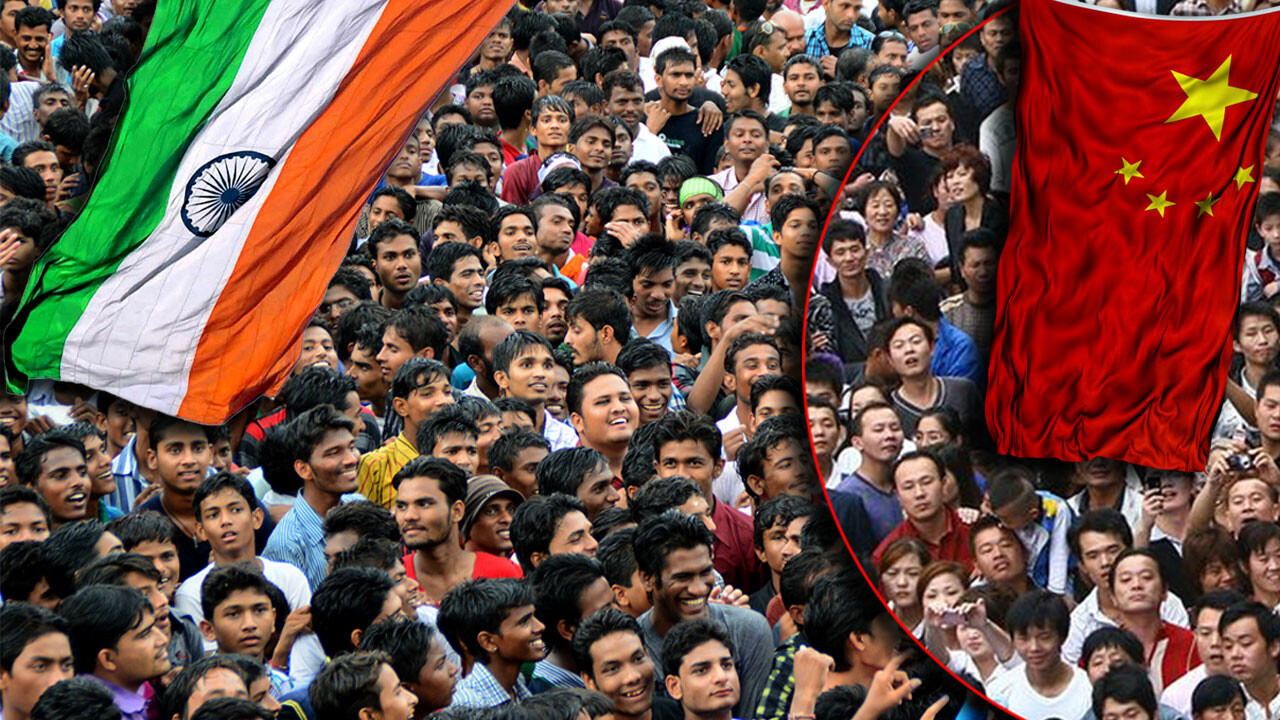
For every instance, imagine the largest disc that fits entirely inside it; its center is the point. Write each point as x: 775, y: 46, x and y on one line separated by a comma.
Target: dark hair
x: 415, y: 373
x: 387, y: 230
x: 563, y: 471
x: 659, y: 536
x: 513, y: 96
x: 840, y: 604
x: 78, y: 698
x: 1216, y: 691
x: 1268, y: 622
x: 67, y: 127
x: 1039, y: 609
x: 313, y: 387
x: 574, y: 395
x: 515, y: 345
x: 308, y: 430
x: 173, y: 700
x: 408, y: 208
x: 606, y: 201
x: 754, y: 71
x: 29, y: 463
x: 421, y: 327
x: 687, y: 425
x: 662, y: 494
x: 405, y: 641
x: 534, y: 524
x: 769, y: 434
x: 97, y: 617
x: 1104, y: 521
x: 1128, y: 683
x: 510, y: 287
x: 781, y: 510
x: 346, y: 685
x: 114, y: 568
x: 504, y: 449
x: 674, y: 56
x: 449, y: 419
x: 558, y: 583
x: 1109, y: 636
x: 143, y: 526
x: 477, y: 606
x: 374, y: 552
x: 743, y: 342
x: 84, y: 49
x: 218, y: 482
x: 798, y: 575
x: 600, y: 625
x: 223, y: 580
x: 67, y: 550
x: 366, y: 519
x: 452, y: 479
x: 231, y: 708
x: 23, y: 568
x: 686, y: 636
x: 347, y: 600
x: 600, y: 307
x: 642, y: 354
x: 516, y: 405
x: 20, y: 495
x: 784, y: 383
x: 24, y: 183
x: 616, y: 555
x: 20, y: 625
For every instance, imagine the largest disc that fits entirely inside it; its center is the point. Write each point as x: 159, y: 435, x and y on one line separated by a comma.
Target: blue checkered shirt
x: 298, y: 539
x: 481, y: 689
x: 980, y: 86
x: 816, y: 45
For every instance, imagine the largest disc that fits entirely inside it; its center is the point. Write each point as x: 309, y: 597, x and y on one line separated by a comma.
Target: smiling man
x: 653, y: 280
x: 494, y: 621
x: 673, y: 554
x: 117, y: 642
x: 523, y: 369
x: 648, y: 369
x: 56, y: 468
x: 611, y: 657
x: 512, y: 234
x: 603, y: 411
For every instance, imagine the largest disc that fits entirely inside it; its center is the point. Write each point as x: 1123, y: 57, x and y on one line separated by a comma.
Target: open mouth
x: 77, y: 498
x: 693, y: 606
x: 229, y: 537
x: 619, y: 421
x: 636, y: 694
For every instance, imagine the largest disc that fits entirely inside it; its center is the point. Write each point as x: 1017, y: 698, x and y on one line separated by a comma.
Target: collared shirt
x: 661, y: 334
x: 1177, y: 695
x: 481, y: 689
x: 1201, y: 8
x: 560, y: 434
x: 953, y: 545
x: 756, y: 212
x: 128, y: 476
x: 981, y: 87
x: 1254, y: 710
x: 956, y: 355
x: 1172, y: 655
x: 1046, y: 542
x: 299, y: 539
x: 20, y: 121
x: 547, y: 675
x: 378, y: 467
x: 281, y: 683
x: 816, y: 43
x: 775, y: 699
x: 133, y: 705
x: 1088, y: 616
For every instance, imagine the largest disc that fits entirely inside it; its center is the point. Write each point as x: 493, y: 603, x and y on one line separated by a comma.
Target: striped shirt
x: 547, y: 675
x: 765, y: 254
x: 378, y: 467
x: 816, y: 43
x: 299, y: 540
x: 481, y: 689
x: 128, y: 476
x: 20, y: 120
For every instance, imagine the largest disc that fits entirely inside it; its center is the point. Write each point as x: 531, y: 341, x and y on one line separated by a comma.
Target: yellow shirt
x: 378, y: 467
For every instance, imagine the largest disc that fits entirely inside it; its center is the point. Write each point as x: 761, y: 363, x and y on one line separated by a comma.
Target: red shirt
x: 487, y: 566
x: 520, y: 179
x: 953, y: 546
x: 511, y: 153
x: 734, y: 549
x: 1172, y: 656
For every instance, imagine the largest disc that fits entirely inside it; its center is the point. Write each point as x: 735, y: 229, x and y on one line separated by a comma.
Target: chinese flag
x: 1140, y: 146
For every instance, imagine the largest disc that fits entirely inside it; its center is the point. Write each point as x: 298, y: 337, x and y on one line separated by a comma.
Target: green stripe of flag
x: 193, y: 53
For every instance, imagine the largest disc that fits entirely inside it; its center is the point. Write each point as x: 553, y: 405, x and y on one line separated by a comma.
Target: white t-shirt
x: 1013, y: 691
x: 290, y: 580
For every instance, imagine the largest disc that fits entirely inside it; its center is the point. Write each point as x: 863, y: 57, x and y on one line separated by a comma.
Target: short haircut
x: 687, y: 636
x: 478, y: 606
x: 687, y: 425
x: 728, y: 237
x: 452, y: 479
x: 839, y: 604
x: 450, y: 419
x: 406, y: 642
x: 787, y: 384
x: 346, y: 685
x: 29, y: 463
x: 642, y: 354
x: 534, y: 524
x: 558, y: 583
x: 575, y: 394
x: 309, y: 429
x: 1104, y: 521
x: 659, y: 536
x: 674, y: 56
x: 173, y: 701
x: 346, y: 600
x: 513, y: 96
x: 781, y: 510
x: 21, y: 494
x: 223, y: 580
x: 20, y: 625
x: 316, y: 386
x: 509, y: 288
x: 606, y: 201
x: 599, y: 307
x: 1216, y: 691
x: 421, y: 327
x: 1039, y: 609
x: 78, y: 698
x: 97, y: 617
x: 507, y: 446
x: 388, y: 230
x: 754, y: 71
x: 374, y: 552
x: 366, y: 519
x: 516, y: 345
x: 1110, y: 636
x: 662, y: 494
x: 742, y: 342
x: 143, y: 526
x: 600, y: 625
x: 114, y: 568
x: 223, y: 481
x: 1128, y: 683
x: 67, y: 550
x: 798, y: 575
x: 770, y: 434
x: 563, y: 471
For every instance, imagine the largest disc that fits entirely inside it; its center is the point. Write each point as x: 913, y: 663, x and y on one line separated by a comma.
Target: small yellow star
x: 1206, y: 205
x: 1159, y: 202
x: 1129, y: 170
x: 1244, y: 175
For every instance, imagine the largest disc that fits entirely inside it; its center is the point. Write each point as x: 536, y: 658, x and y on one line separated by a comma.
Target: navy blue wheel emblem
x: 220, y: 187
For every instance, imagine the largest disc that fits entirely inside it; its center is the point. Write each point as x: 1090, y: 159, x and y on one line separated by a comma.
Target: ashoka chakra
x: 220, y: 187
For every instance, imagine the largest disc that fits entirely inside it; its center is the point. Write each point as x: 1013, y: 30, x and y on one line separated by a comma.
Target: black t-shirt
x: 699, y: 96
x: 914, y: 168
x: 664, y: 708
x: 683, y: 134
x: 193, y: 556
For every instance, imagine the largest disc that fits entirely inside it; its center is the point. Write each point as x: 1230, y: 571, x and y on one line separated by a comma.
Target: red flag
x: 1140, y: 146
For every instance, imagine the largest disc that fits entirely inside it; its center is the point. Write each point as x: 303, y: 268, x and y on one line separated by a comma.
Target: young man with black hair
x: 394, y: 249
x: 610, y: 653
x: 687, y: 444
x: 918, y: 295
x: 460, y: 268
x: 567, y: 589
x: 731, y: 259
x: 1204, y: 625
x: 153, y: 535
x: 1250, y: 634
x: 555, y: 232
x: 24, y: 515
x: 227, y: 516
x: 603, y: 411
x: 494, y: 621
x: 522, y: 368
x: 746, y: 142
x: 918, y: 477
x: 647, y: 366
x: 451, y: 435
x: 778, y: 523
x: 416, y: 651
x: 616, y: 555
x: 550, y: 118
x: 673, y: 553
x: 599, y: 325
x: 1138, y: 585
x: 703, y: 677
x: 581, y: 472
x: 346, y: 289
x: 116, y: 642
x: 56, y: 468
x: 360, y: 685
x: 624, y: 97
x: 429, y: 505
x: 678, y: 124
x: 514, y: 458
x: 476, y: 343
x: 325, y: 457
x: 36, y: 655
x: 238, y: 616
x: 76, y: 699
x: 547, y: 525
x: 199, y: 683
x: 516, y: 299
x: 1046, y: 685
x: 653, y: 266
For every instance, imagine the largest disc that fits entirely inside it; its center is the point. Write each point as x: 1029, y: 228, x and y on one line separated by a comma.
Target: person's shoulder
x: 285, y: 572
x: 492, y: 566
x: 960, y: 385
x: 741, y: 618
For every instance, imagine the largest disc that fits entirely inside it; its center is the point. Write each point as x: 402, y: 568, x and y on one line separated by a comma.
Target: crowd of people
x: 542, y: 452
x: 1064, y: 590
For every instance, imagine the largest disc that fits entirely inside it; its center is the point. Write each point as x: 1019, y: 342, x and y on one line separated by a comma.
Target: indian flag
x: 254, y: 132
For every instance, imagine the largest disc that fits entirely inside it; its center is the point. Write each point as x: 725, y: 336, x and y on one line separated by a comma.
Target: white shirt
x: 1014, y: 691
x: 290, y: 580
x: 647, y: 146
x: 560, y: 434
x: 1253, y: 709
x: 727, y: 179
x: 1178, y: 694
x: 778, y: 100
x: 728, y: 485
x: 997, y: 137
x: 1087, y: 617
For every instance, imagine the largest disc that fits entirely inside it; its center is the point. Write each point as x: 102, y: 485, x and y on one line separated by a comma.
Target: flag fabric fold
x: 1140, y: 146
x: 235, y: 179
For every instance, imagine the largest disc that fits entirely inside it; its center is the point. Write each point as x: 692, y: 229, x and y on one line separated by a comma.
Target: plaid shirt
x: 1201, y: 8
x: 775, y: 701
x: 816, y: 42
x: 378, y: 467
x: 981, y: 87
x: 481, y: 689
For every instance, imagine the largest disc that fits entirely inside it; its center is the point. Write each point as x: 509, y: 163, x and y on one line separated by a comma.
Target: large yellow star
x: 1159, y: 202
x: 1209, y: 98
x: 1206, y: 205
x: 1244, y: 175
x: 1129, y: 170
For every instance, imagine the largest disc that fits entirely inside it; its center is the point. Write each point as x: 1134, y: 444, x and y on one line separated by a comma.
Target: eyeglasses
x: 890, y: 34
x: 952, y: 26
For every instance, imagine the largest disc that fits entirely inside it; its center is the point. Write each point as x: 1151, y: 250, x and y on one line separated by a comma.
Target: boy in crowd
x: 493, y: 620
